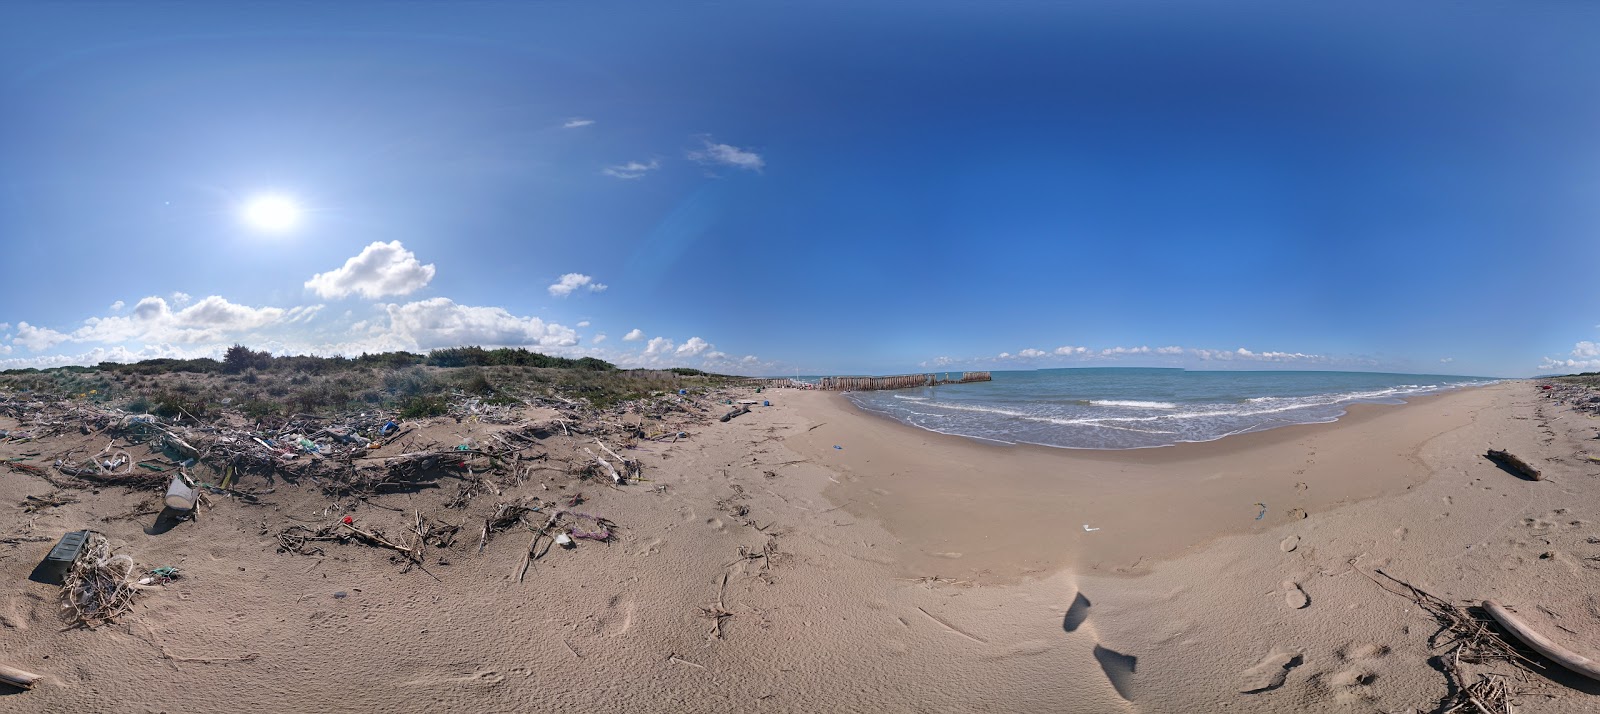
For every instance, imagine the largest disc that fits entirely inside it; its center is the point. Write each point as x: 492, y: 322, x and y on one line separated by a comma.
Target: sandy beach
x: 759, y: 568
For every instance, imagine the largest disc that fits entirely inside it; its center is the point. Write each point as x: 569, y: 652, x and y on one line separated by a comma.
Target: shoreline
x: 1403, y: 401
x: 1044, y: 497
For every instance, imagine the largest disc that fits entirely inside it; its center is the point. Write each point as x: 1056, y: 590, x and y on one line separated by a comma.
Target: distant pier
x: 901, y: 381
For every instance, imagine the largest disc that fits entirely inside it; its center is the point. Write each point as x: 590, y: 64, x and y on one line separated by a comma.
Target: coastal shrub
x: 420, y: 407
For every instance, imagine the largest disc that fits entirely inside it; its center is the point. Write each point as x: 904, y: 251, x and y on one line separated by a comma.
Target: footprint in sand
x: 1270, y: 672
x: 1119, y: 669
x: 1077, y: 612
x: 1294, y: 597
x: 1289, y: 544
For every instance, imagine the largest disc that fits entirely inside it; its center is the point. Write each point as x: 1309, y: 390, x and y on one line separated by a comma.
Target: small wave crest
x: 1134, y: 403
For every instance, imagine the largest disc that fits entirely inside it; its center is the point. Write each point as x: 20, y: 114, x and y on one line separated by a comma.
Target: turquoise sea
x: 1122, y: 408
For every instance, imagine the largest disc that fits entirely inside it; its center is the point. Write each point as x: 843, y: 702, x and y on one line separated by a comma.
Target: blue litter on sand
x: 836, y: 446
x: 1263, y: 510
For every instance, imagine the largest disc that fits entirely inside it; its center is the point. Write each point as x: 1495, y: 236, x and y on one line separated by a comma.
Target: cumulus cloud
x: 631, y: 170
x: 633, y: 335
x: 693, y: 347
x: 440, y: 322
x: 658, y: 345
x: 181, y: 298
x: 728, y: 155
x: 1030, y: 353
x: 1109, y: 351
x: 1066, y: 350
x: 583, y: 323
x: 382, y: 269
x: 1250, y: 355
x: 154, y: 321
x: 37, y: 338
x: 576, y: 122
x: 1169, y: 350
x: 572, y: 281
x: 1446, y: 360
x: 118, y: 305
x: 598, y: 338
x: 1585, y: 356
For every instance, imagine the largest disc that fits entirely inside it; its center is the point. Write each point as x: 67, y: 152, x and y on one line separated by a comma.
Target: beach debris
x: 1541, y: 644
x: 565, y: 541
x: 615, y: 477
x: 1263, y: 508
x: 741, y: 410
x: 18, y: 678
x: 160, y: 576
x: 1511, y: 461
x: 99, y: 585
x: 1087, y: 529
x: 1470, y: 638
x: 53, y: 569
x: 838, y: 447
x: 180, y: 494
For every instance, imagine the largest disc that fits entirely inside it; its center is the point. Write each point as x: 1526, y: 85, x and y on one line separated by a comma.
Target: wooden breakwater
x: 901, y: 381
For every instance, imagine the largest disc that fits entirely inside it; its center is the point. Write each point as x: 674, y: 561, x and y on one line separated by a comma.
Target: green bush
x: 419, y: 407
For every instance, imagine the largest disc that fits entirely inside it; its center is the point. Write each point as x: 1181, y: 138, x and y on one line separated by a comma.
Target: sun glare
x: 272, y: 214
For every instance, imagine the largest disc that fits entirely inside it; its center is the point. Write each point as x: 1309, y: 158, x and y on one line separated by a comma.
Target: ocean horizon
x: 1138, y: 407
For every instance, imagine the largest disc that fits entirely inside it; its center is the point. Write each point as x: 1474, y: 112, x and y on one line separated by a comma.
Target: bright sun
x: 273, y: 214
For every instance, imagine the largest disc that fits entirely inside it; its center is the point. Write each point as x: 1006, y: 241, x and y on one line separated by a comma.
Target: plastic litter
x: 766, y: 403
x: 838, y: 447
x: 180, y: 495
x: 1263, y: 512
x: 1087, y: 529
x: 390, y: 427
x: 564, y: 540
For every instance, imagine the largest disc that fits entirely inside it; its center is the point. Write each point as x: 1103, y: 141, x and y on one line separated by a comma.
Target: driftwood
x: 1541, y: 644
x: 736, y: 412
x: 17, y: 677
x: 1510, y: 460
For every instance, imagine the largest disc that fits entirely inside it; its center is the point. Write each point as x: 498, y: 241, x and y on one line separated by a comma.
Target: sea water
x: 1123, y: 408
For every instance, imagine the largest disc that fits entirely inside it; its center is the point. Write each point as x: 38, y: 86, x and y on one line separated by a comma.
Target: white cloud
x: 209, y: 320
x: 657, y: 345
x: 1169, y: 350
x: 631, y: 170
x: 440, y: 322
x: 5, y: 349
x: 598, y: 338
x: 118, y: 305
x: 37, y: 338
x: 1446, y: 360
x: 576, y: 122
x: 633, y: 335
x: 1003, y: 355
x: 1250, y: 355
x: 4, y: 326
x: 583, y: 323
x: 181, y: 298
x: 1065, y: 350
x: 382, y: 269
x: 1030, y: 353
x: 572, y: 281
x: 1124, y: 351
x: 1585, y: 357
x: 715, y: 355
x: 727, y: 155
x: 693, y: 347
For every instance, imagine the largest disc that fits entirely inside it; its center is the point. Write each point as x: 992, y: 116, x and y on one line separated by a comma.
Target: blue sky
x: 813, y: 187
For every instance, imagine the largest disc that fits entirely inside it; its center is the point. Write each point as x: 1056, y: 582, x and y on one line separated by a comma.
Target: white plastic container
x: 180, y: 495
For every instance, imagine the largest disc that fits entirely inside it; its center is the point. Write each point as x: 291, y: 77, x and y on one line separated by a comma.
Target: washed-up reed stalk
x: 99, y: 585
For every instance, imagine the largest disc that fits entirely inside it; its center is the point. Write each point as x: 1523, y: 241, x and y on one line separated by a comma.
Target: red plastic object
x: 349, y: 521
